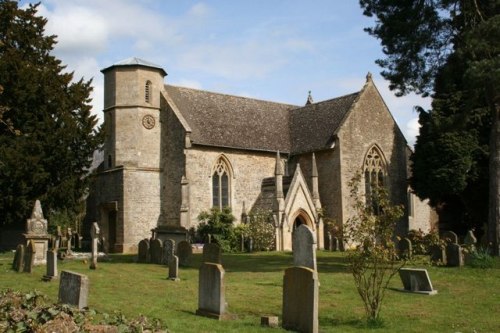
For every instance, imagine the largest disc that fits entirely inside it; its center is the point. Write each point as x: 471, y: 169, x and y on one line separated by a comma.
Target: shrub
x: 261, y: 230
x: 219, y: 224
x: 481, y: 258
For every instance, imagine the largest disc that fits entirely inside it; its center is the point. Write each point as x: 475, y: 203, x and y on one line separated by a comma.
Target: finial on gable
x: 309, y: 98
x: 368, y: 77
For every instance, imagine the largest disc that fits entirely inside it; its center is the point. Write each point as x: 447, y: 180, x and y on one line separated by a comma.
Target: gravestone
x: 51, y: 273
x: 36, y: 232
x: 168, y: 250
x: 454, y: 255
x: 29, y: 257
x: 211, y: 292
x: 336, y: 244
x: 77, y: 240
x: 470, y: 240
x: 438, y: 254
x: 69, y: 237
x: 304, y: 247
x: 450, y: 237
x: 143, y: 252
x: 18, y: 264
x: 416, y: 280
x: 212, y: 253
x: 184, y: 252
x: 405, y: 249
x: 156, y: 248
x: 269, y: 321
x: 300, y: 299
x: 94, y: 234
x: 173, y: 268
x: 73, y: 289
x: 329, y: 241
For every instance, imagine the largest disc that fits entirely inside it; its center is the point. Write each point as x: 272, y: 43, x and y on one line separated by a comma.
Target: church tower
x: 130, y: 205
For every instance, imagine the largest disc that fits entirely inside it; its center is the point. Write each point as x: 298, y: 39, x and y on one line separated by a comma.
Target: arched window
x: 375, y: 173
x: 221, y: 184
x: 147, y: 92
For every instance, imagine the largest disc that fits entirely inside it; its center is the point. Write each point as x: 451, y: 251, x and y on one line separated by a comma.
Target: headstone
x: 168, y: 250
x: 36, y: 232
x: 184, y: 252
x: 416, y: 280
x: 77, y: 240
x: 454, y: 255
x: 18, y: 264
x: 94, y: 234
x: 156, y: 248
x: 73, y: 289
x: 450, y: 237
x: 173, y: 268
x: 470, y: 240
x: 329, y: 241
x: 405, y: 249
x: 51, y: 266
x: 212, y: 253
x: 438, y: 254
x: 300, y: 300
x: 211, y: 292
x: 29, y: 257
x: 143, y: 252
x: 336, y: 244
x: 304, y: 247
x: 69, y: 237
x: 269, y: 321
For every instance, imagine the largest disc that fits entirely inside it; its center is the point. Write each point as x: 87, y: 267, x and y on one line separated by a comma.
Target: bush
x: 261, y: 230
x: 219, y: 224
x: 481, y: 258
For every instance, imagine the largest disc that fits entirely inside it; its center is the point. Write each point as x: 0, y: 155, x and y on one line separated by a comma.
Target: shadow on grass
x: 352, y: 322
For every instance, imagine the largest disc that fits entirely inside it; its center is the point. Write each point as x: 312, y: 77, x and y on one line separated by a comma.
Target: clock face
x: 148, y: 121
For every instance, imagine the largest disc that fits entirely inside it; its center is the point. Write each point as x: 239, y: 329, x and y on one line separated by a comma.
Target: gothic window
x: 221, y: 184
x: 147, y: 92
x: 374, y: 172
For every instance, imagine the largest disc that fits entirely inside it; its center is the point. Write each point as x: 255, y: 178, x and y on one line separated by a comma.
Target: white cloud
x: 412, y: 130
x: 188, y: 83
x: 199, y: 10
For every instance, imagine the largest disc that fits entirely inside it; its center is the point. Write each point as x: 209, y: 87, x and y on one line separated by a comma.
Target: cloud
x: 188, y: 83
x: 412, y: 130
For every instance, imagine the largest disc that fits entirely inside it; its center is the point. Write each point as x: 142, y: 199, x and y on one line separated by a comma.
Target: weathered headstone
x: 94, y: 234
x: 143, y: 252
x: 51, y: 265
x: 69, y: 237
x: 438, y: 254
x: 212, y: 253
x: 269, y: 321
x: 329, y: 241
x: 73, y: 289
x: 184, y: 252
x: 405, y: 249
x: 416, y: 280
x: 454, y: 255
x: 336, y: 244
x: 173, y: 268
x: 300, y: 299
x: 29, y: 257
x: 470, y: 240
x: 211, y: 291
x: 168, y: 250
x: 36, y: 232
x: 450, y: 237
x: 156, y: 248
x: 304, y: 247
x: 18, y: 264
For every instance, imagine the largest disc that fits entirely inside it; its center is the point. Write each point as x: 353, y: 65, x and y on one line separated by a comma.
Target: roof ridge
x: 329, y: 100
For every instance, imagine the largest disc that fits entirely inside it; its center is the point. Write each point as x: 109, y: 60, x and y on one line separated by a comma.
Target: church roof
x: 133, y: 61
x: 238, y: 122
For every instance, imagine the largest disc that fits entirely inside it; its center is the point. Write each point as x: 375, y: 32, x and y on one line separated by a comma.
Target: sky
x: 275, y: 50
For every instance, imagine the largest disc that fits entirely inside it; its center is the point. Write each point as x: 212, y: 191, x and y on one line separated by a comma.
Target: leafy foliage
x: 373, y: 256
x: 48, y: 155
x: 219, y: 225
x: 261, y: 230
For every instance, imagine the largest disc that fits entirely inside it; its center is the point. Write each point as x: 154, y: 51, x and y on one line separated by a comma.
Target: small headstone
x: 416, y: 280
x: 405, y: 249
x: 450, y: 237
x: 173, y: 268
x: 438, y: 254
x: 184, y: 252
x: 269, y: 321
x: 51, y: 266
x: 168, y: 250
x: 73, y: 289
x: 156, y: 248
x: 304, y: 247
x: 144, y: 252
x: 29, y: 257
x: 94, y: 234
x: 212, y: 253
x: 211, y: 291
x: 336, y: 244
x: 77, y: 240
x: 300, y: 299
x: 454, y: 255
x: 18, y: 264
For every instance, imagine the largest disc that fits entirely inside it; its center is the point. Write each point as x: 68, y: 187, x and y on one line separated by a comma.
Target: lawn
x: 468, y: 299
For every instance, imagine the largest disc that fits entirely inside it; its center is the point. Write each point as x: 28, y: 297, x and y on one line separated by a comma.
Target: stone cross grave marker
x: 300, y: 299
x: 51, y: 273
x: 304, y: 247
x: 144, y: 251
x: 73, y: 289
x: 211, y: 292
x: 18, y: 264
x: 416, y: 280
x: 173, y: 268
x: 405, y: 249
x: 156, y: 248
x: 212, y: 253
x: 29, y: 257
x: 168, y: 250
x: 94, y: 234
x: 184, y: 252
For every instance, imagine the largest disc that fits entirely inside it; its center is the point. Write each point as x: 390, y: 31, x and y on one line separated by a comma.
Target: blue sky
x: 267, y: 49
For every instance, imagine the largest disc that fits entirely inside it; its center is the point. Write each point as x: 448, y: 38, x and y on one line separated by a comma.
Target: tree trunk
x: 494, y: 183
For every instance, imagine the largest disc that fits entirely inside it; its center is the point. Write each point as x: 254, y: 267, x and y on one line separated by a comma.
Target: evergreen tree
x: 449, y: 49
x: 48, y: 155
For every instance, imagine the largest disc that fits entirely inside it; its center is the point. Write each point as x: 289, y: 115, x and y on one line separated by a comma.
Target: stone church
x: 172, y: 152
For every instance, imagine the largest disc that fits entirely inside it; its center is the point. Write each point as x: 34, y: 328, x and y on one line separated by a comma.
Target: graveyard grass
x: 467, y: 299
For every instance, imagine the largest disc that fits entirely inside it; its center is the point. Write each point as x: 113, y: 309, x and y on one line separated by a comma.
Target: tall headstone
x: 304, y: 247
x: 69, y: 243
x: 51, y: 265
x: 168, y: 250
x: 405, y: 249
x: 454, y: 255
x: 144, y: 251
x: 184, y: 252
x: 36, y: 232
x: 173, y: 268
x: 18, y: 264
x: 73, y: 289
x: 156, y: 248
x: 212, y: 253
x: 211, y: 292
x: 450, y: 237
x: 94, y: 234
x: 300, y: 299
x: 29, y: 257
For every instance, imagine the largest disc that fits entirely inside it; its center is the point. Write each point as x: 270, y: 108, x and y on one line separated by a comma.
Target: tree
x: 50, y: 158
x: 449, y: 49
